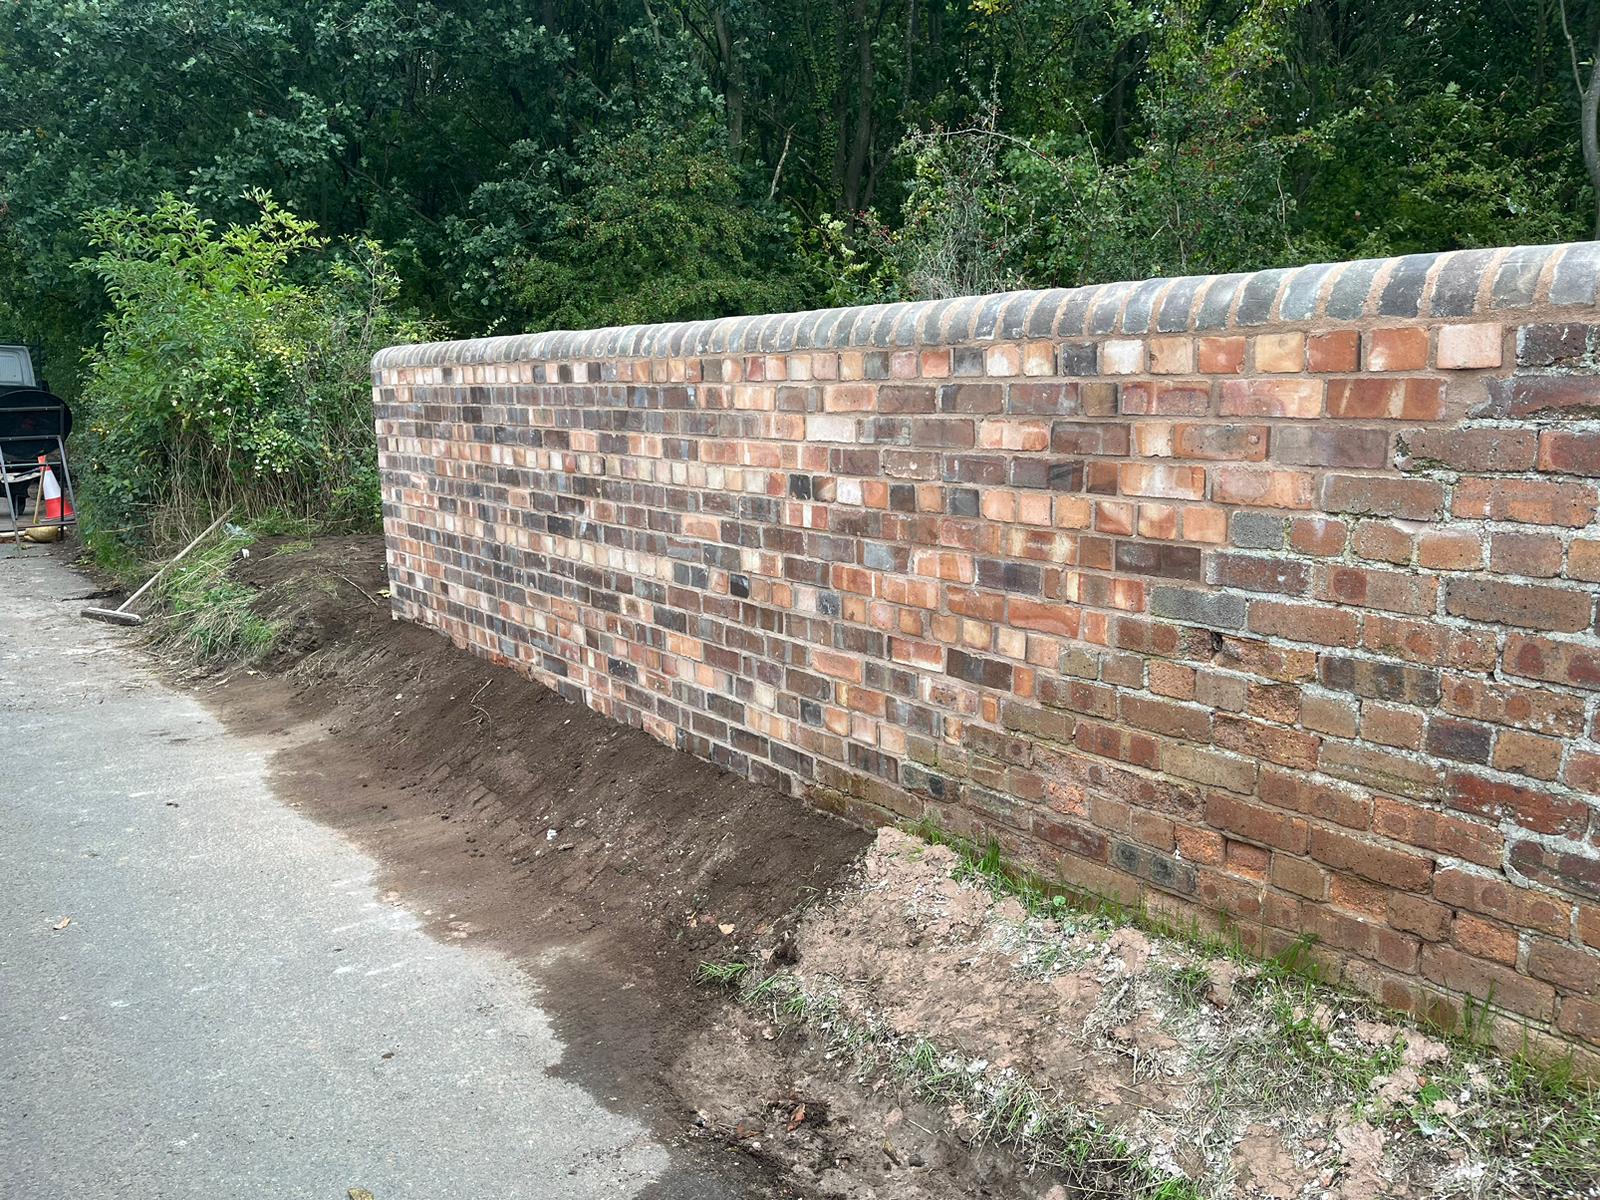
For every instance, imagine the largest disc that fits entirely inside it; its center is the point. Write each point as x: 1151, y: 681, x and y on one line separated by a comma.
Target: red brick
x: 1569, y: 968
x: 1581, y: 1018
x: 1583, y: 772
x: 1529, y: 501
x: 1533, y: 554
x: 1388, y: 726
x: 1531, y: 606
x: 1529, y: 754
x: 1535, y: 709
x: 1583, y: 560
x: 1338, y: 351
x: 1271, y: 398
x: 1450, y: 550
x: 1362, y: 856
x: 1498, y: 984
x: 1295, y: 874
x: 1547, y: 659
x: 1397, y: 951
x: 1221, y: 355
x: 1413, y: 499
x: 1384, y: 541
x: 1229, y: 443
x: 1414, y: 914
x: 1468, y: 449
x: 1484, y: 939
x: 1164, y: 399
x: 1568, y: 453
x: 1263, y: 489
x: 1494, y: 897
x: 1373, y: 587
x: 1198, y: 845
x: 1386, y: 399
x: 1573, y: 871
x: 1324, y: 537
x: 1531, y: 807
x: 1402, y: 348
x: 1303, y: 793
x: 1305, y: 623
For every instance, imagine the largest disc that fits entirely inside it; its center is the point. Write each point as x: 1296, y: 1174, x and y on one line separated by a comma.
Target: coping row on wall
x: 1457, y: 284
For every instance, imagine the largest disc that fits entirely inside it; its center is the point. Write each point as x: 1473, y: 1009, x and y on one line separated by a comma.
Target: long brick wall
x: 1269, y: 597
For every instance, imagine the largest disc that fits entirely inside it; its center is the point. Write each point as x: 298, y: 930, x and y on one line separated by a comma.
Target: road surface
x: 203, y: 995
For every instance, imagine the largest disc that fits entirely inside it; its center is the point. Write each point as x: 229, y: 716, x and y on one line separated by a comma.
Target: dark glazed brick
x: 1255, y: 306
x: 967, y: 360
x: 1042, y: 322
x: 1518, y: 277
x: 1013, y: 318
x: 1564, y: 345
x: 963, y: 502
x: 988, y: 317
x: 1576, y: 275
x: 1107, y: 308
x: 1065, y: 476
x: 1219, y: 299
x: 739, y: 586
x: 1402, y: 295
x: 1073, y: 316
x: 985, y: 672
x: 1460, y: 741
x: 1136, y: 317
x: 1300, y: 296
x: 1348, y: 299
x: 905, y: 329
x: 1215, y: 610
x: 1379, y: 680
x: 1177, y: 305
x: 1455, y: 291
x: 931, y: 322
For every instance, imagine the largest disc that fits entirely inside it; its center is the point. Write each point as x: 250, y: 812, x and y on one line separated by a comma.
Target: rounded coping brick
x: 1456, y: 284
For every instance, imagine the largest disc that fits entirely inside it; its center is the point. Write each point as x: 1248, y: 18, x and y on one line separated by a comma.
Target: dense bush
x: 233, y: 371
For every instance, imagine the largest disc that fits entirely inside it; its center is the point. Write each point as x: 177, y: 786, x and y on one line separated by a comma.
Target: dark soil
x: 608, y: 865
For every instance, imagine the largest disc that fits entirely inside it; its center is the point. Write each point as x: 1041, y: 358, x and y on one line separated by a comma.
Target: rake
x: 122, y: 614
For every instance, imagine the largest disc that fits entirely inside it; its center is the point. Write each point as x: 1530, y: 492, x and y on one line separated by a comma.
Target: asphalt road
x: 203, y: 995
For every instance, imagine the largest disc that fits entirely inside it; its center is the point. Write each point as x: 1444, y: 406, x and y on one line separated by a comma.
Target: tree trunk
x: 861, y: 136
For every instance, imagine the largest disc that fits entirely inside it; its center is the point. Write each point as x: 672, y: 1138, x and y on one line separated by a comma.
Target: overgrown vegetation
x: 232, y: 374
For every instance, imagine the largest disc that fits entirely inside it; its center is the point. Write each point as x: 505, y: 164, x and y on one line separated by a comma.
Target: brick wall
x: 1268, y: 597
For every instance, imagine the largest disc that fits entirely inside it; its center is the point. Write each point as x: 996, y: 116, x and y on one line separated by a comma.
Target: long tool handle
x: 145, y: 586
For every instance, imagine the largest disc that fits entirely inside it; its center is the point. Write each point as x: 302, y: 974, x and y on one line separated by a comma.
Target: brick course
x: 1286, y: 616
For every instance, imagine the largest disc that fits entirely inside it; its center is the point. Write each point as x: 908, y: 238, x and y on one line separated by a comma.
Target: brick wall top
x: 1513, y: 281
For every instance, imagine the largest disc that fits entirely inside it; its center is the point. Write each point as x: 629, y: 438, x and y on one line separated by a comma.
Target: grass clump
x: 208, y: 618
x: 721, y: 973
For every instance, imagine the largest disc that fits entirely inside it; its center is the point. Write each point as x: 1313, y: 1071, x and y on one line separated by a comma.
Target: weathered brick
x: 1380, y: 680
x: 1570, y: 871
x: 1565, y: 452
x: 1413, y: 499
x: 1553, y: 661
x: 1318, y: 446
x: 1487, y: 981
x: 1532, y: 502
x: 1263, y: 488
x: 1271, y: 398
x: 1386, y: 399
x: 1361, y: 855
x: 1572, y: 970
x: 1530, y: 606
x: 1465, y: 347
x: 1535, y: 808
x: 1494, y: 897
x: 1467, y: 449
x: 1403, y: 348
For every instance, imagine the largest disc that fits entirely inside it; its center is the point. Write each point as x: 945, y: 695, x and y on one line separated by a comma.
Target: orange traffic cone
x: 52, y: 506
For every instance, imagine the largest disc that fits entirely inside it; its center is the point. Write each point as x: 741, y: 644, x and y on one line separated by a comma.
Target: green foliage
x: 233, y: 371
x: 654, y: 226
